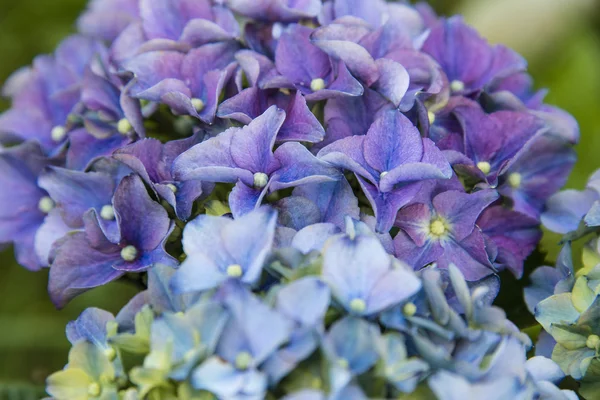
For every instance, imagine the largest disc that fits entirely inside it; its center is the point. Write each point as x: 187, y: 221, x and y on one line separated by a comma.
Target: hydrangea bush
x: 315, y: 198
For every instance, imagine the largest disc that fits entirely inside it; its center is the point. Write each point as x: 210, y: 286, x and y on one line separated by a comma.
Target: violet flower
x: 84, y: 260
x: 445, y: 232
x: 245, y: 156
x: 390, y: 162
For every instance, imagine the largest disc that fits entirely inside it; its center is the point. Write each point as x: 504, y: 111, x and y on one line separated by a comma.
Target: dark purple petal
x: 84, y: 148
x: 354, y: 56
x: 537, y: 173
x: 470, y: 256
x: 145, y: 158
x: 297, y: 212
x: 143, y: 222
x: 416, y: 256
x: 20, y: 215
x: 414, y: 220
x: 514, y: 234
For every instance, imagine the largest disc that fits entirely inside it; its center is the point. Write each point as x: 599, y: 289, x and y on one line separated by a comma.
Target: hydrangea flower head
x: 316, y: 199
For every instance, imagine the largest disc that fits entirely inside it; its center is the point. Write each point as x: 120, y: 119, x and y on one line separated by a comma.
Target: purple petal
x: 76, y: 192
x: 461, y: 210
x: 514, y: 234
x: 462, y: 53
x: 244, y: 199
x: 565, y: 210
x: 53, y: 229
x: 386, y: 205
x: 152, y: 69
x: 78, y: 267
x: 252, y: 146
x: 313, y: 237
x: 211, y: 161
x: 356, y: 58
x: 143, y: 222
x: 416, y: 256
x: 393, y: 81
x: 391, y: 141
x: 347, y: 153
x: 84, y: 148
x: 335, y: 200
x: 469, y: 256
x: 372, y: 12
x: 298, y: 59
x: 299, y: 166
x: 107, y: 19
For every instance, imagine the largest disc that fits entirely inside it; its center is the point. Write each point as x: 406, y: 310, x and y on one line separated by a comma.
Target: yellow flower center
x: 358, y: 305
x: 235, y: 270
x: 457, y: 86
x: 437, y: 227
x: 484, y: 167
x: 129, y: 253
x: 260, y: 180
x: 124, y: 126
x: 243, y: 360
x: 409, y: 309
x: 46, y: 204
x: 317, y: 84
x: 198, y: 104
x: 514, y: 180
x: 58, y: 133
x: 107, y: 213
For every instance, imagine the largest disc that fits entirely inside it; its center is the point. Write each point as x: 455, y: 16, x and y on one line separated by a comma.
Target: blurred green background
x: 560, y: 39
